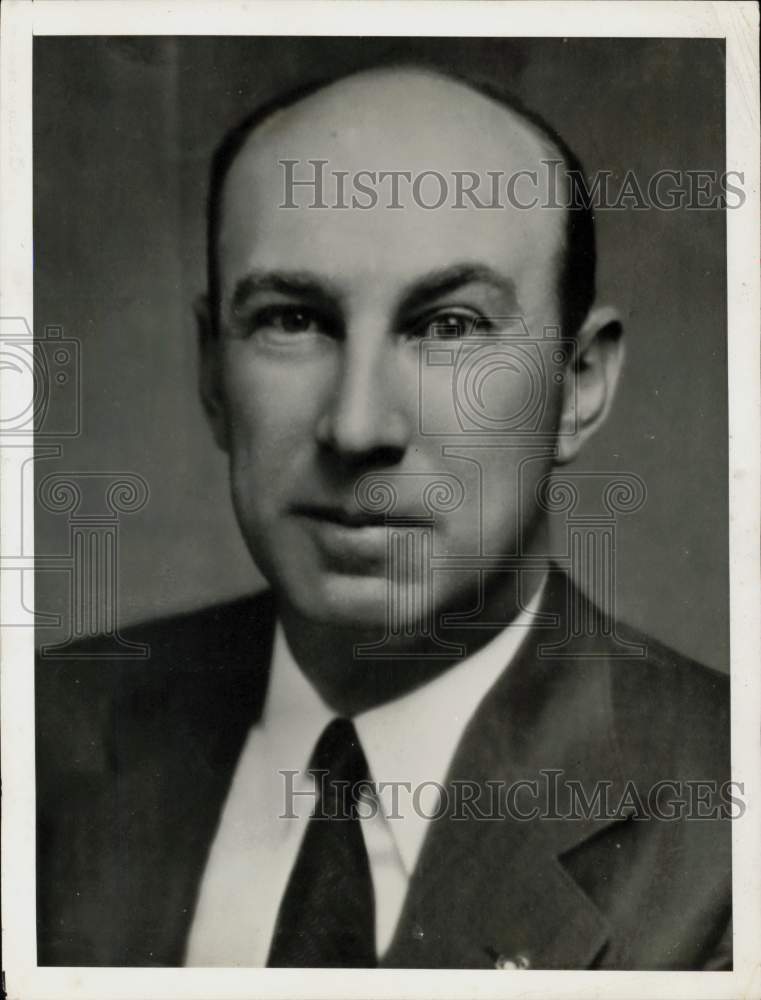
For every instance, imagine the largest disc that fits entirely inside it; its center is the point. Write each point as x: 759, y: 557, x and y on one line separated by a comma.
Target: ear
x: 210, y: 377
x: 589, y: 393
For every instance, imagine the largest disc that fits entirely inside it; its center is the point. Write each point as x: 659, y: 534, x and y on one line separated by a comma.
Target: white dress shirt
x: 411, y: 739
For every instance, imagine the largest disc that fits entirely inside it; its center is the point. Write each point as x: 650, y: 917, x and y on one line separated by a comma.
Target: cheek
x: 269, y: 435
x: 506, y: 390
x: 272, y: 409
x: 510, y: 509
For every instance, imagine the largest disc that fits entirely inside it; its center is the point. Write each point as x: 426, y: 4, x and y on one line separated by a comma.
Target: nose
x: 366, y: 419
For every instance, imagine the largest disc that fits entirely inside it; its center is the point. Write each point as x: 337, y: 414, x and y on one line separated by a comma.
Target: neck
x: 326, y: 653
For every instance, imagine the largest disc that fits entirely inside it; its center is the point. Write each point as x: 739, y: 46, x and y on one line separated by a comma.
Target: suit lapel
x: 486, y: 890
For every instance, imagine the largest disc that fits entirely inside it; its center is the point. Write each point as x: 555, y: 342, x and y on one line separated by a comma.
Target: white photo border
x: 737, y: 23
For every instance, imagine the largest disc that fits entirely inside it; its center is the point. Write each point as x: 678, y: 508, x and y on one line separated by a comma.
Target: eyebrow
x: 306, y: 284
x: 301, y: 284
x: 450, y: 279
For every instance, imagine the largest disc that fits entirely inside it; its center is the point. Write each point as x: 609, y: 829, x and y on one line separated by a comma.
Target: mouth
x: 340, y: 516
x: 350, y: 541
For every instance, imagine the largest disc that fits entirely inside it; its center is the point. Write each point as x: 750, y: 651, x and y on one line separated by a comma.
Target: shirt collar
x: 410, y: 740
x: 294, y: 714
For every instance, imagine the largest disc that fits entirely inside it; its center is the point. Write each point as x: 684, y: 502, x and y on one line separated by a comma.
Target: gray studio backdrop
x: 123, y: 129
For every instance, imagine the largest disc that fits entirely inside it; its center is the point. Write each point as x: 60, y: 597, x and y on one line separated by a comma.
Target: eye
x: 448, y: 324
x: 286, y: 321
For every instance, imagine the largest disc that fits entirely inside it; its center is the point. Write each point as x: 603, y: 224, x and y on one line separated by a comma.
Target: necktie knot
x: 340, y: 769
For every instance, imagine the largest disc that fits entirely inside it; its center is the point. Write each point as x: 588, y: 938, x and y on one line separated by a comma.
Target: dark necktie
x: 327, y: 914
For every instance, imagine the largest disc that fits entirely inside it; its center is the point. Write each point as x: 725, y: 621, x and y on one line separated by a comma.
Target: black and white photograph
x: 381, y: 503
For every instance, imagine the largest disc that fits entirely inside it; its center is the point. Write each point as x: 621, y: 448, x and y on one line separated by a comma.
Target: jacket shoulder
x: 671, y: 712
x: 186, y: 664
x: 180, y: 639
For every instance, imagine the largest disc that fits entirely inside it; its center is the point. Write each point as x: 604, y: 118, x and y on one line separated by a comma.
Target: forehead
x: 416, y: 107
x: 405, y: 122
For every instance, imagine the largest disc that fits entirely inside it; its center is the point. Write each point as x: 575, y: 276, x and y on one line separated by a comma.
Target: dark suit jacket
x: 134, y: 760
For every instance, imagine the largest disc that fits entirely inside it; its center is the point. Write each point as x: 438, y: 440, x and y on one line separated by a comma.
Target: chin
x: 358, y: 602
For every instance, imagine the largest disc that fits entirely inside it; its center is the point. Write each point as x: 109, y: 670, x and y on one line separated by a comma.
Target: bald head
x: 407, y: 119
x: 408, y: 112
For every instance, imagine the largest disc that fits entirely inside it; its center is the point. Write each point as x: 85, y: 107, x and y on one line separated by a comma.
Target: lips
x: 350, y: 541
x: 342, y: 516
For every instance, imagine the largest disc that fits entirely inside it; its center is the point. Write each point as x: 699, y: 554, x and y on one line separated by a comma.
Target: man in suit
x: 416, y: 644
